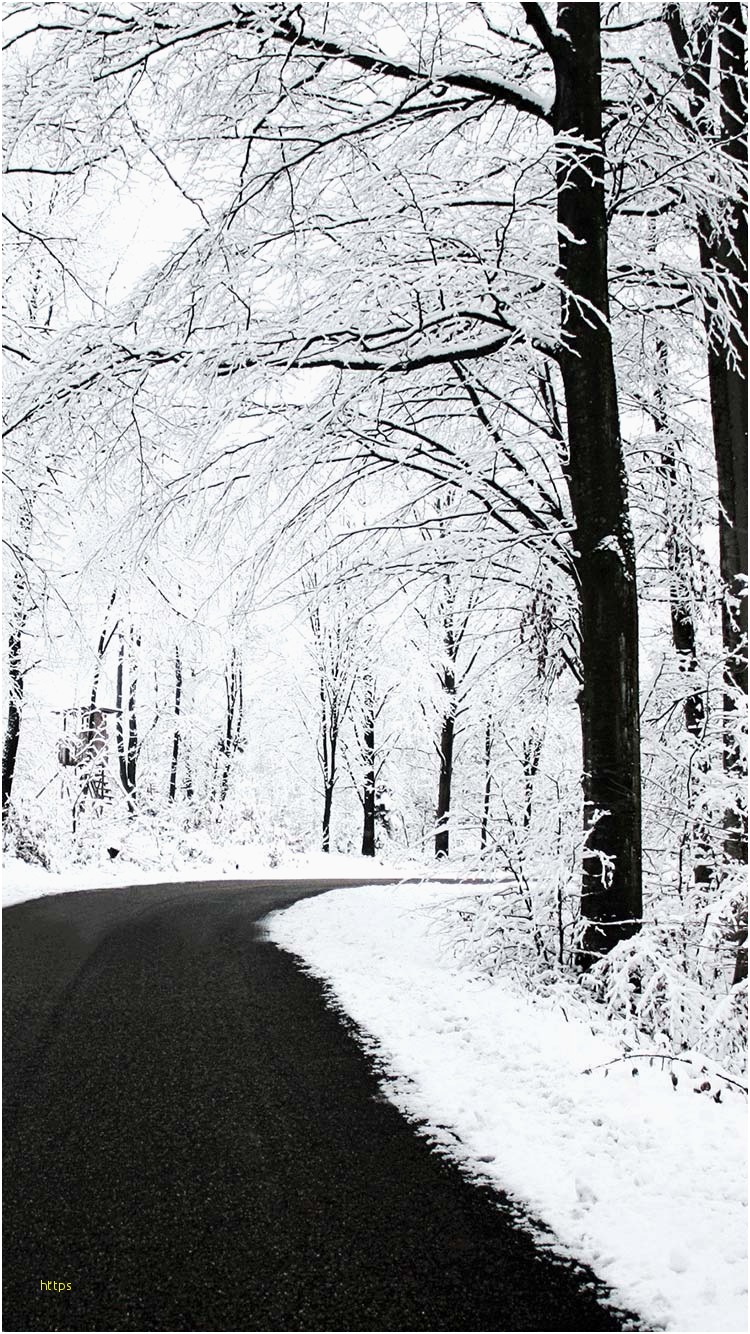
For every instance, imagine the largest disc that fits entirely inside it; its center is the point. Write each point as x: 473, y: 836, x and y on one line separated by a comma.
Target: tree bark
x: 15, y: 701
x: 327, y: 755
x: 327, y: 805
x: 725, y: 254
x: 680, y: 610
x: 19, y: 609
x: 532, y: 754
x: 101, y: 648
x: 485, y: 827
x: 723, y: 258
x: 445, y: 778
x: 176, y: 734
x: 132, y: 756
x: 229, y: 742
x: 611, y: 899
x: 368, y: 787
x: 126, y: 729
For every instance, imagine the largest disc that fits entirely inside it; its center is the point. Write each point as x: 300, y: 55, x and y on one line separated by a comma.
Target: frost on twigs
x: 25, y: 837
x: 647, y: 992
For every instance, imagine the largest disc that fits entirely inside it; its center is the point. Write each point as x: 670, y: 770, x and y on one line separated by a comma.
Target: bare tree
x: 176, y: 734
x: 230, y: 741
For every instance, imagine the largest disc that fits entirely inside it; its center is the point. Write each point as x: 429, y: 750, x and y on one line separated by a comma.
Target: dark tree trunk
x: 680, y: 610
x: 368, y: 787
x: 132, y: 756
x: 485, y: 828
x: 723, y: 257
x: 445, y: 779
x: 19, y: 609
x: 15, y: 700
x: 101, y: 648
x: 532, y: 754
x: 122, y: 763
x: 611, y: 891
x: 740, y: 958
x: 329, y: 736
x: 327, y: 805
x: 724, y: 254
x: 126, y: 729
x: 176, y: 734
x: 229, y: 743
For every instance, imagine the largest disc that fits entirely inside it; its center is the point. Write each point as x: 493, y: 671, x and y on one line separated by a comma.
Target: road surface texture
x: 193, y: 1140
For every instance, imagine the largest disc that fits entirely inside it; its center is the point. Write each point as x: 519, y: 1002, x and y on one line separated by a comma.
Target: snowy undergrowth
x: 47, y: 858
x: 639, y: 1176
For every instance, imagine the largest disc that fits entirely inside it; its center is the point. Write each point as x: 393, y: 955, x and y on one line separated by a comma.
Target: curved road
x: 193, y: 1140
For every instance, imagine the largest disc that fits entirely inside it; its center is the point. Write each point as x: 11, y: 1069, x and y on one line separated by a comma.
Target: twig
x: 663, y: 1056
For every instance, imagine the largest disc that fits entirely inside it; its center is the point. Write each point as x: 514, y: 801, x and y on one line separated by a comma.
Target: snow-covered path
x: 644, y: 1181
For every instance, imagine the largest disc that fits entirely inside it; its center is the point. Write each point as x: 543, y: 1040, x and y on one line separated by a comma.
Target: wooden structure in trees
x: 84, y: 749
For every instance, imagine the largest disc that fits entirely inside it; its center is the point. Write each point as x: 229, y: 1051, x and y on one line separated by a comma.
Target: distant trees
x: 334, y: 628
x: 176, y: 735
x: 127, y: 717
x: 712, y: 51
x: 230, y: 737
x: 453, y: 617
x: 466, y: 235
x: 370, y: 750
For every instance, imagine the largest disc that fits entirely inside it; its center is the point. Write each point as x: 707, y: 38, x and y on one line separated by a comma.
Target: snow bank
x: 22, y: 881
x: 644, y: 1182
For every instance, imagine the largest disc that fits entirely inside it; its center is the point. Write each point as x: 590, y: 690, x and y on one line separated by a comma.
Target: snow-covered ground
x: 644, y: 1181
x: 22, y: 881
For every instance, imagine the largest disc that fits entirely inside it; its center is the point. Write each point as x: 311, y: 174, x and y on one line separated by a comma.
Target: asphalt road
x: 194, y: 1141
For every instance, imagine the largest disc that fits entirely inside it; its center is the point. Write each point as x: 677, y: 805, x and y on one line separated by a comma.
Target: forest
x: 375, y: 462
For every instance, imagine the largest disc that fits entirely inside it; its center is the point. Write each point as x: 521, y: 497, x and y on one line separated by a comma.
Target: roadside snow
x: 644, y: 1182
x: 22, y: 881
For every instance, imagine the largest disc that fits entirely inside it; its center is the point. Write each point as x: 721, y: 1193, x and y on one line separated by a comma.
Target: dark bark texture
x: 15, y: 701
x: 447, y: 738
x: 605, y: 562
x: 231, y: 737
x: 368, y: 786
x: 17, y: 616
x: 722, y: 37
x: 127, y: 723
x: 484, y: 832
x: 176, y: 734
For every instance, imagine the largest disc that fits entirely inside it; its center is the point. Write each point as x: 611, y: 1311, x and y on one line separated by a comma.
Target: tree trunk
x: 327, y: 804
x: 229, y: 742
x: 19, y: 609
x: 176, y: 735
x: 132, y: 757
x: 723, y: 257
x: 680, y: 610
x: 101, y: 648
x: 327, y: 755
x: 485, y: 828
x: 532, y: 754
x: 15, y: 700
x: 611, y: 899
x: 368, y: 789
x: 123, y: 729
x: 445, y: 780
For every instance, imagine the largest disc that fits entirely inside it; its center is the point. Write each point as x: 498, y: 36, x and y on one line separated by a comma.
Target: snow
x: 22, y: 881
x: 643, y: 1181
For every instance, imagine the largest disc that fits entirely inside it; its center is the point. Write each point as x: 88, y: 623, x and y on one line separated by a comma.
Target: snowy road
x: 194, y: 1141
